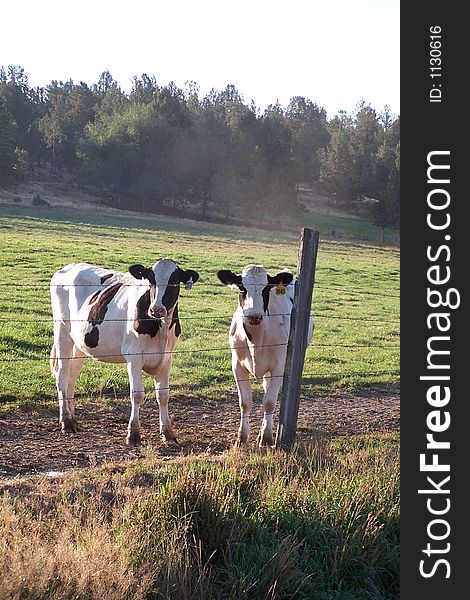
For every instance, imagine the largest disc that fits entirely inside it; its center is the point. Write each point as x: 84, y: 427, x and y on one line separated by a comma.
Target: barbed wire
x: 252, y: 379
x: 187, y: 350
x: 219, y: 286
x: 132, y: 319
x: 123, y: 354
x: 126, y: 394
x: 198, y: 317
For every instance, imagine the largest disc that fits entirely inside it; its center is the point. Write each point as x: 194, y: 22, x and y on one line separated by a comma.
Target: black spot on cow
x: 265, y: 294
x: 94, y: 297
x: 140, y: 272
x: 101, y: 300
x: 92, y: 338
x: 176, y: 322
x: 106, y: 277
x: 248, y: 334
x: 144, y: 324
x: 170, y: 296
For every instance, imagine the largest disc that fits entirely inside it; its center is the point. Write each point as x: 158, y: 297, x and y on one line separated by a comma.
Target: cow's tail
x: 53, y: 360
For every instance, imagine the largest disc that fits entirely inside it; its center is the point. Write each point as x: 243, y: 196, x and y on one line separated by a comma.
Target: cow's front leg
x: 137, y: 396
x: 272, y: 385
x: 245, y: 397
x: 162, y: 390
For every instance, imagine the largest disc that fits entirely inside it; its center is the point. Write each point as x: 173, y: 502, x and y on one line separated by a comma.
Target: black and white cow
x: 258, y: 338
x: 117, y: 317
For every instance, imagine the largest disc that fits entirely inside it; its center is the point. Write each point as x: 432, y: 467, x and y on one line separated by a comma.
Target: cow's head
x: 254, y: 285
x: 165, y: 278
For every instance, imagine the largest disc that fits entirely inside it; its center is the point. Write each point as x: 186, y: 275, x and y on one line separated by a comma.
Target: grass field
x: 355, y: 304
x: 318, y: 523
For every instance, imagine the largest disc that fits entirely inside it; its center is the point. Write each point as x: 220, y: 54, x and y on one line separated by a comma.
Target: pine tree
x: 8, y: 158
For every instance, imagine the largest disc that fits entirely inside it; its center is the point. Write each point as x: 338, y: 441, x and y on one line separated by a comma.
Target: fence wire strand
x: 198, y: 317
x: 219, y: 286
x: 127, y: 394
x: 193, y: 350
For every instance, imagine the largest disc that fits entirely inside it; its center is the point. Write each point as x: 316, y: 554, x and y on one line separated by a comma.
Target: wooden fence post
x: 297, y: 344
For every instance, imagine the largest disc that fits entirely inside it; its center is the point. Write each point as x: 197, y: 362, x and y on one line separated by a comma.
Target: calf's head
x: 165, y: 278
x: 254, y: 285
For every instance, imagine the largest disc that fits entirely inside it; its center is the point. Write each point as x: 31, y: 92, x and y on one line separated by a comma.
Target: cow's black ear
x: 283, y: 277
x: 189, y: 275
x: 139, y: 271
x: 228, y: 277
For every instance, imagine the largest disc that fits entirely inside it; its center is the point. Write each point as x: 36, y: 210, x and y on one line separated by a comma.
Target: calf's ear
x: 139, y: 271
x: 283, y: 277
x: 185, y: 276
x: 188, y: 278
x: 228, y: 277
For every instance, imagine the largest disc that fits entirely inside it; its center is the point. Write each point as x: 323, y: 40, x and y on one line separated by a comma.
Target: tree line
x: 161, y: 146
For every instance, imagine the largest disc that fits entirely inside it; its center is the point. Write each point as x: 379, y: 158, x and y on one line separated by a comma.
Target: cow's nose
x: 157, y: 312
x: 255, y: 319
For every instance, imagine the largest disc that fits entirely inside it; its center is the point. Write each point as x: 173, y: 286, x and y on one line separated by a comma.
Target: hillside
x: 45, y: 190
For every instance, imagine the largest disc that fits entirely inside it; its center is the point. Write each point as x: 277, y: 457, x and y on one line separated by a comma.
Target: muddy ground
x: 31, y: 441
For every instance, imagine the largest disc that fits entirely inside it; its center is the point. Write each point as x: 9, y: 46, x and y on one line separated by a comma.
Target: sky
x: 333, y: 52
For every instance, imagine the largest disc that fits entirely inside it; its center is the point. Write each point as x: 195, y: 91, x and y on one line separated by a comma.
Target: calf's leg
x: 245, y: 397
x: 271, y: 385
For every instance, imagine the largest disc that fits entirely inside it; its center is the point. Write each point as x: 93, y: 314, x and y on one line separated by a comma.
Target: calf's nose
x: 255, y: 319
x: 157, y: 312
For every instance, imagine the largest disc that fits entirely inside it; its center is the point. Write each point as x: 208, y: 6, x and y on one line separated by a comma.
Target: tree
x: 8, y: 157
x: 337, y: 172
x: 25, y: 106
x: 70, y: 108
x: 143, y: 89
x: 387, y: 210
x: 366, y: 139
x: 309, y: 134
x: 109, y: 96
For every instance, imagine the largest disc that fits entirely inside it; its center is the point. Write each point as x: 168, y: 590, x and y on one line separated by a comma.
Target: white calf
x: 258, y: 337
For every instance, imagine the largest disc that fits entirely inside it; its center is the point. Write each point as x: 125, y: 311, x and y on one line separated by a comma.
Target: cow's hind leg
x: 61, y: 359
x: 162, y: 390
x: 245, y: 397
x: 78, y: 358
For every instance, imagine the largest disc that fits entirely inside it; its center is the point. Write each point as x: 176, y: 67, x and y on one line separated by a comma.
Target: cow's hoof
x: 242, y: 440
x: 70, y: 426
x: 133, y: 438
x: 266, y: 442
x: 169, y: 436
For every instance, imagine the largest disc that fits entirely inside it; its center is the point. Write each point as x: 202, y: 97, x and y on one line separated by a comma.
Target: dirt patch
x: 31, y: 441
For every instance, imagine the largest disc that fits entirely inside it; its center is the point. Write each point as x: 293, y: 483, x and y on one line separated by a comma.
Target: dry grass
x: 70, y: 551
x: 307, y: 524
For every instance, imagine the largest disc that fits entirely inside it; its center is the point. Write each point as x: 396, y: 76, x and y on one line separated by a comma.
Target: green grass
x: 355, y: 305
x: 343, y: 226
x: 318, y: 523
